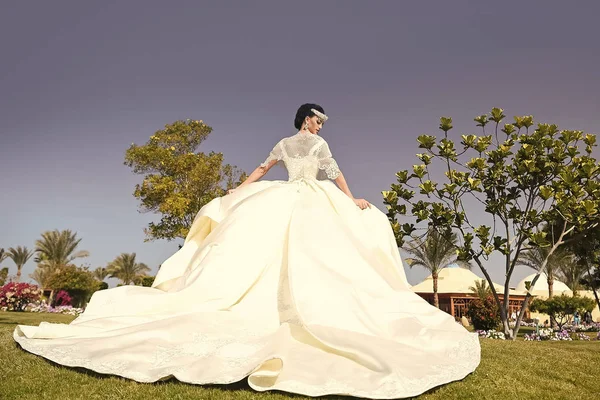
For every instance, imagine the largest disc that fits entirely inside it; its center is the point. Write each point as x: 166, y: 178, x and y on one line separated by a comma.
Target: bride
x: 295, y: 285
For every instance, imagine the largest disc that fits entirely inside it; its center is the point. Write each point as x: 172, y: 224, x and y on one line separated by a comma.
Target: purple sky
x: 80, y: 81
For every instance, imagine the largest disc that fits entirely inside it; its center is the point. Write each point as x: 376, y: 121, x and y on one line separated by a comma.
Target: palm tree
x: 57, y: 249
x: 435, y: 253
x: 20, y: 256
x: 571, y: 273
x: 481, y: 289
x: 3, y: 255
x: 101, y: 273
x: 534, y: 258
x: 126, y: 269
x: 41, y: 276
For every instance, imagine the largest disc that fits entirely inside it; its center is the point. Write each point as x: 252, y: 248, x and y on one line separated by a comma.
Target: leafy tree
x: 126, y: 269
x: 78, y: 282
x: 523, y: 178
x: 20, y: 256
x: 434, y: 253
x: 560, y: 307
x: 481, y: 289
x: 178, y: 181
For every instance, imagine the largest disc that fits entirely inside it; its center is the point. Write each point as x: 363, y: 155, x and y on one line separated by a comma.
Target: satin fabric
x: 287, y: 284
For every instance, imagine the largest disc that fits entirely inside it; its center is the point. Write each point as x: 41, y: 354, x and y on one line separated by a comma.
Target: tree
x: 435, y: 253
x: 79, y: 282
x: 560, y: 307
x: 126, y: 269
x: 535, y: 257
x: 20, y: 256
x: 177, y: 180
x: 586, y: 248
x: 56, y: 249
x: 524, y: 180
x: 481, y: 289
x: 101, y: 273
x: 571, y: 273
x: 3, y: 255
x: 3, y: 275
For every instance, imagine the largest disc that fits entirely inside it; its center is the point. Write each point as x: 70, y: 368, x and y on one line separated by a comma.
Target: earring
x: 306, y: 126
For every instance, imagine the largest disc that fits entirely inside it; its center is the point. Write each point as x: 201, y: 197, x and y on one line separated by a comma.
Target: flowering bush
x: 63, y: 298
x: 43, y: 307
x: 16, y: 296
x: 549, y: 334
x: 484, y: 314
x: 491, y: 334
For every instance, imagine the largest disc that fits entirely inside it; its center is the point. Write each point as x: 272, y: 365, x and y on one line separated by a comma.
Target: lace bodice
x: 304, y: 155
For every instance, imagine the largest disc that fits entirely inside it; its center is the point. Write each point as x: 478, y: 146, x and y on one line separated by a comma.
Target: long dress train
x: 285, y: 283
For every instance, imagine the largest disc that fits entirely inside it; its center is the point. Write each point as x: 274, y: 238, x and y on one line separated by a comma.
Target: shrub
x: 561, y: 307
x: 63, y: 298
x: 147, y: 280
x: 484, y: 314
x: 16, y: 296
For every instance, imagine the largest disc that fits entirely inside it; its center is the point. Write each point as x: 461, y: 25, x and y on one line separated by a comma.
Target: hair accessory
x: 320, y: 114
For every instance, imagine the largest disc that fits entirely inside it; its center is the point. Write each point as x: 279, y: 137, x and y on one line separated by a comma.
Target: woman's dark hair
x: 305, y: 111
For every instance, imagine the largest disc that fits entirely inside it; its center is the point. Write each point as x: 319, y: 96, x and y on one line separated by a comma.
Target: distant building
x: 454, y: 294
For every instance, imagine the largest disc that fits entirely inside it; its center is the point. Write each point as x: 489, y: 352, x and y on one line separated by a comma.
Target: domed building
x: 454, y: 291
x: 541, y: 286
x: 540, y: 290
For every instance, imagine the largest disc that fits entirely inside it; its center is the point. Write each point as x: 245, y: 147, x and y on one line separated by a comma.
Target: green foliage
x: 102, y: 285
x: 77, y: 281
x: 178, y: 181
x: 20, y: 256
x: 125, y: 268
x: 58, y: 248
x: 484, y: 314
x: 523, y: 178
x: 146, y: 281
x: 562, y: 306
x: 3, y: 275
x: 481, y: 289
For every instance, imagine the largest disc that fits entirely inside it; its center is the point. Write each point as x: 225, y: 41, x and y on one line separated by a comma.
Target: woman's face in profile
x: 315, y: 124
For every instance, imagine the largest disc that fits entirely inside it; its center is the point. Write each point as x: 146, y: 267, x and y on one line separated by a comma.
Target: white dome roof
x: 452, y: 280
x: 541, y: 286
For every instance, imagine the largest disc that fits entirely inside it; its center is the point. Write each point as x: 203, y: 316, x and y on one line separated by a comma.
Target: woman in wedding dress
x: 294, y: 285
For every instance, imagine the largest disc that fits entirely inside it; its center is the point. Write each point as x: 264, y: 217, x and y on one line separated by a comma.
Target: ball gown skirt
x: 285, y: 283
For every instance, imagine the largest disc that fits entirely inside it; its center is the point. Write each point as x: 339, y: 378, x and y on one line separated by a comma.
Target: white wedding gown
x: 287, y: 283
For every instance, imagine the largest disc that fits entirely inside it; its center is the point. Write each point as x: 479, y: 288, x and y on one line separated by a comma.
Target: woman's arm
x: 343, y: 185
x: 258, y: 173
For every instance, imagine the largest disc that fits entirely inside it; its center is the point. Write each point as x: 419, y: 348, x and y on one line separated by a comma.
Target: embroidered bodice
x: 304, y: 155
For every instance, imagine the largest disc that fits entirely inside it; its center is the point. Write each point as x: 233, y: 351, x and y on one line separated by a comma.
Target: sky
x: 81, y: 81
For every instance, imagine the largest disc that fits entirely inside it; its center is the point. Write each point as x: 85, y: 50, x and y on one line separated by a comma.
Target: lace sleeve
x: 276, y: 154
x: 326, y: 161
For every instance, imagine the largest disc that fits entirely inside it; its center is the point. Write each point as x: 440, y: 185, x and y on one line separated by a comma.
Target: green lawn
x: 508, y: 370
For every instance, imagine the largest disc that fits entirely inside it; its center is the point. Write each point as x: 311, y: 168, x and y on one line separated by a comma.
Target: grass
x: 511, y: 370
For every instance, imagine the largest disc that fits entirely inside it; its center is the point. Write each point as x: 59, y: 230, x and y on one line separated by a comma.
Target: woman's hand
x: 230, y: 191
x: 362, y: 203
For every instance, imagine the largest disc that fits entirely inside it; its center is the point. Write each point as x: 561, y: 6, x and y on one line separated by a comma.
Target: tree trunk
x: 436, y: 301
x: 553, y: 322
x: 18, y: 274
